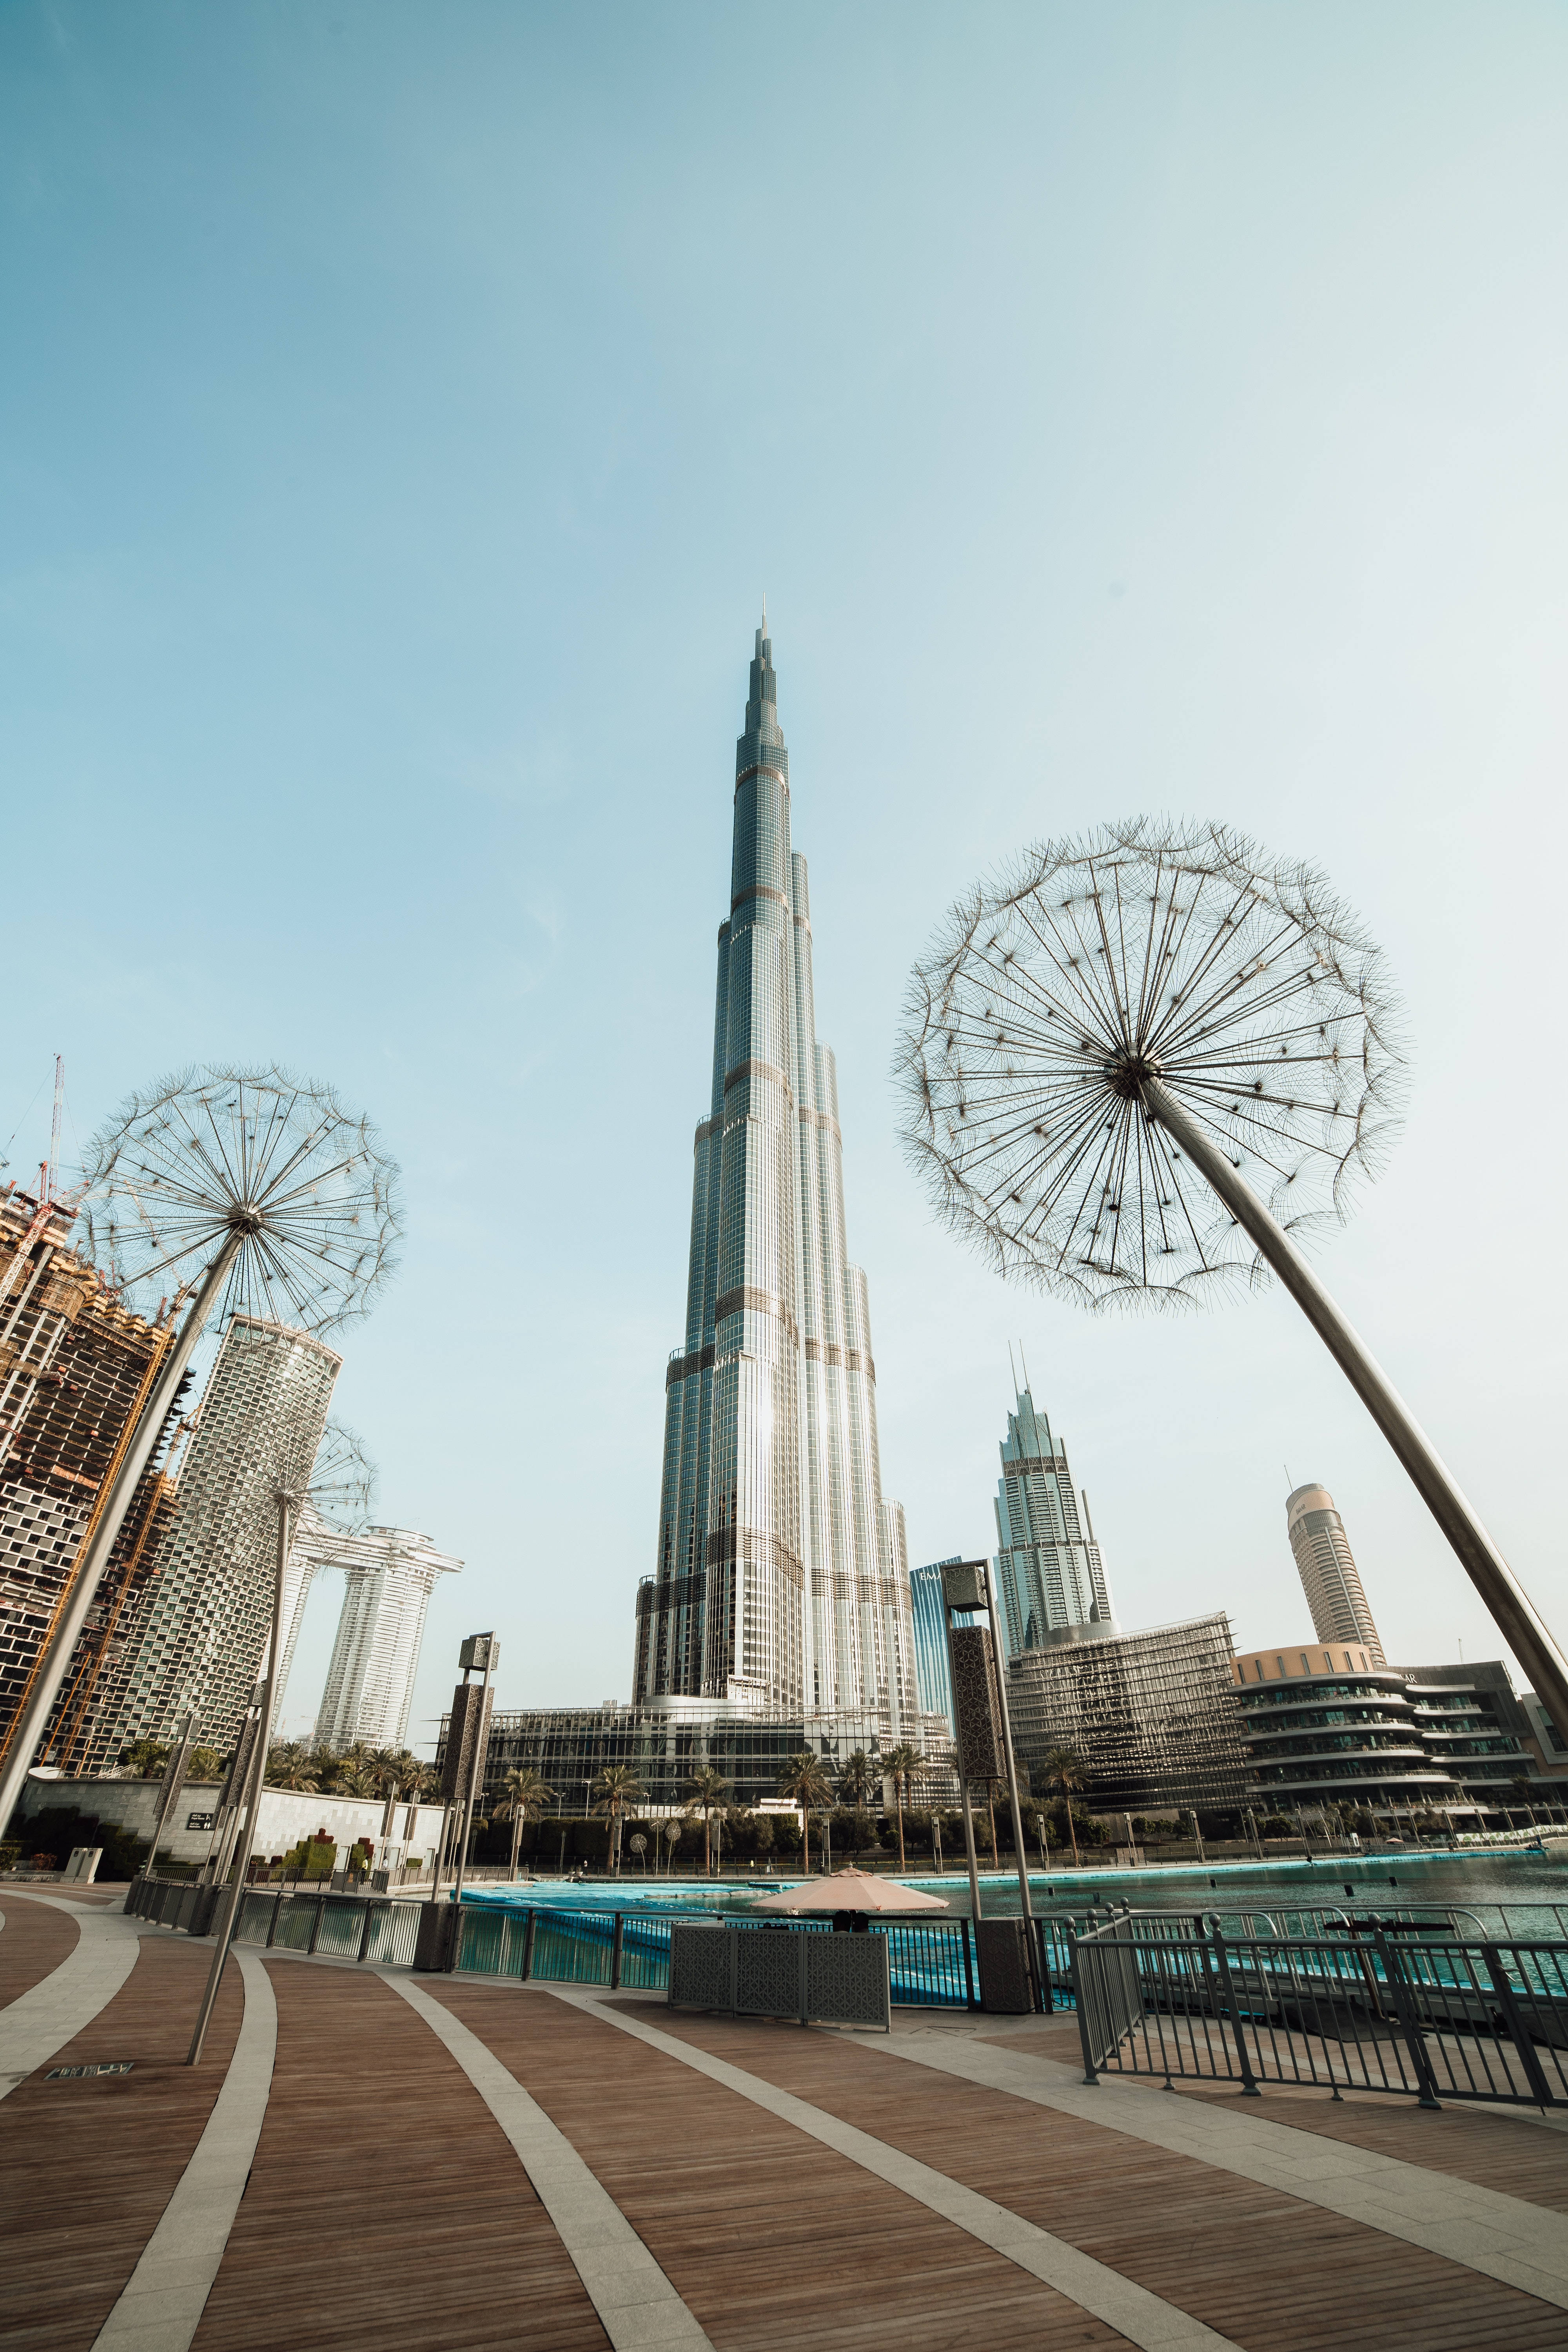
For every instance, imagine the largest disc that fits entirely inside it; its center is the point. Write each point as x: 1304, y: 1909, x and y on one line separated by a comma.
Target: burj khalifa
x: 780, y: 1587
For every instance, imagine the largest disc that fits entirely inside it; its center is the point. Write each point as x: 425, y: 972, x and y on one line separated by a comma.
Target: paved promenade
x: 420, y: 2163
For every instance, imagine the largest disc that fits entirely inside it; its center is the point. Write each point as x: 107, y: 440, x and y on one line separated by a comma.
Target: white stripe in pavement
x: 636, y: 2304
x: 160, y: 2305
x: 49, y: 2014
x: 1144, y: 2319
x: 1504, y: 2238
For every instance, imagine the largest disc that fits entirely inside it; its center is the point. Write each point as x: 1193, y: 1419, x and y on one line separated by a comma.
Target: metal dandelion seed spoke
x: 253, y: 1154
x: 1146, y: 951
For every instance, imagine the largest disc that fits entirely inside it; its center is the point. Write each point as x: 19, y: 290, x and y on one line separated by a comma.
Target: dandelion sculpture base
x: 1108, y: 1043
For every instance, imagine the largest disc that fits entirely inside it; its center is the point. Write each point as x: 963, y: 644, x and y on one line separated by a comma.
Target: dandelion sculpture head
x: 1147, y: 954
x: 220, y: 1157
x: 339, y: 1486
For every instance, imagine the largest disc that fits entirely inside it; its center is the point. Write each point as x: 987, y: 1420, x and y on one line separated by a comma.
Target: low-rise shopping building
x: 1327, y: 1725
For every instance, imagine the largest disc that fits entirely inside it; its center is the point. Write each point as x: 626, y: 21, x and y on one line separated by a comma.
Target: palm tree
x: 706, y: 1791
x: 618, y: 1787
x: 901, y: 1764
x: 358, y: 1779
x: 145, y: 1759
x: 523, y: 1799
x: 290, y: 1765
x: 804, y: 1778
x: 1062, y: 1770
x: 857, y: 1778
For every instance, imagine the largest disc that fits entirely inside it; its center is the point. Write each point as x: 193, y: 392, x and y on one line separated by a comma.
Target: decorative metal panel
x: 1004, y: 1967
x: 698, y: 1966
x: 846, y: 1980
x: 975, y: 1704
x: 767, y: 1972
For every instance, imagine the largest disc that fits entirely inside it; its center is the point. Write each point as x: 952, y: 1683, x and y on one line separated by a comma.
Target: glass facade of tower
x: 781, y: 1584
x: 934, y: 1670
x: 1151, y: 1716
x: 1048, y: 1563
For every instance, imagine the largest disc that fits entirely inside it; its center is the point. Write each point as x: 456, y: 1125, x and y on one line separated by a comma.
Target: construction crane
x: 50, y: 1203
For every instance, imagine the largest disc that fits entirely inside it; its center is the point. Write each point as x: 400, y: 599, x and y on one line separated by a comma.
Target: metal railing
x: 931, y: 1964
x: 338, y: 1926
x: 1410, y: 2007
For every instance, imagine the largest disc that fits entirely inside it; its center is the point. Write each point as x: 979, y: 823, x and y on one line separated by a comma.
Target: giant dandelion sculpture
x: 223, y: 1190
x: 1139, y: 1068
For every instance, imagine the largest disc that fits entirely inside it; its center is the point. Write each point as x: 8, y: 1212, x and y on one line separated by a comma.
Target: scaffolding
x: 75, y: 1369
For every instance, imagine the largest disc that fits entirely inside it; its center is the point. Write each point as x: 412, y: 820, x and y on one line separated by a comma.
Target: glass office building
x: 570, y: 1747
x: 1151, y: 1716
x: 933, y: 1672
x: 781, y: 1583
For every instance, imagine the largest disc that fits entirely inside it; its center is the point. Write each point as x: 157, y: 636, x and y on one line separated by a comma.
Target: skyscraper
x: 389, y: 1574
x: 198, y: 1645
x: 781, y: 1584
x: 934, y: 1674
x: 1328, y: 1572
x: 1048, y: 1562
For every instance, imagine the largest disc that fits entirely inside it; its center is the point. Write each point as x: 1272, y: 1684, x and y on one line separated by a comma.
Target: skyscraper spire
x: 782, y: 1582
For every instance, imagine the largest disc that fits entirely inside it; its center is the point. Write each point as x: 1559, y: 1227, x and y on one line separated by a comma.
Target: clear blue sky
x: 1132, y: 406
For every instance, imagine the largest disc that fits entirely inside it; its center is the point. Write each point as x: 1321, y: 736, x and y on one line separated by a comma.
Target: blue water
x: 1521, y: 1890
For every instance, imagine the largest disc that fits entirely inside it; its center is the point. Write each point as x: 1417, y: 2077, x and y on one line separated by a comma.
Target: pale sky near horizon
x: 1123, y: 407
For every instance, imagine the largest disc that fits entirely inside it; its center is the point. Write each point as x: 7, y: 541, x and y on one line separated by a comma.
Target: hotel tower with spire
x: 781, y: 1586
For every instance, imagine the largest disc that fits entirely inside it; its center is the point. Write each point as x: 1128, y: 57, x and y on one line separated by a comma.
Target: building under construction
x: 75, y: 1369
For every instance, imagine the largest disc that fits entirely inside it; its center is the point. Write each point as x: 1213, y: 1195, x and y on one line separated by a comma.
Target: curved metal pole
x: 255, y: 1781
x: 1509, y: 1605
x: 33, y: 1719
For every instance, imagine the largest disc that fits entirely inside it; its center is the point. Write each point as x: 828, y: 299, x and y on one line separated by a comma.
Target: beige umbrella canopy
x: 851, y: 1890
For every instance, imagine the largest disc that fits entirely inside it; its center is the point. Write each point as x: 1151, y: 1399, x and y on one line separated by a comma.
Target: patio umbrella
x: 849, y: 1890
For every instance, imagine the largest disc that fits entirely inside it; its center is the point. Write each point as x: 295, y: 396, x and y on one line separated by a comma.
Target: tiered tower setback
x: 781, y: 1583
x: 1048, y: 1564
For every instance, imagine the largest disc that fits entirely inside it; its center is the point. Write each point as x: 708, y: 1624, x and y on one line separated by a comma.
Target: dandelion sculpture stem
x: 1107, y: 1037
x: 268, y: 1198
x: 342, y: 1476
x: 1511, y: 1607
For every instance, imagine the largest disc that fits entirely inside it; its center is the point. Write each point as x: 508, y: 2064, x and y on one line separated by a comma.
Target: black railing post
x: 1507, y: 2002
x: 364, y: 1931
x: 1249, y: 2089
x: 1090, y: 2075
x: 968, y: 1964
x: 615, y: 1951
x: 528, y: 1946
x: 1400, y: 1992
x: 272, y: 1923
x: 315, y: 1922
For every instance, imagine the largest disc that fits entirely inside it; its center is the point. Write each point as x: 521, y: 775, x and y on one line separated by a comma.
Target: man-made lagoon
x: 1519, y: 1890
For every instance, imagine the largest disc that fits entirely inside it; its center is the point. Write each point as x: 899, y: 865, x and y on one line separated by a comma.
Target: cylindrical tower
x: 1327, y: 1568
